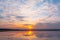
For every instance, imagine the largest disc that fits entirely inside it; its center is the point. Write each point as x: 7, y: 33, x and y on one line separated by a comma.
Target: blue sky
x: 33, y: 12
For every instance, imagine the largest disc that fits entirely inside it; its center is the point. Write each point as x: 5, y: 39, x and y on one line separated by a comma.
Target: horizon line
x: 29, y: 30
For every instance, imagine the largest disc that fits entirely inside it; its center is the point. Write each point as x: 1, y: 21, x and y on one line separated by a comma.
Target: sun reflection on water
x: 29, y: 35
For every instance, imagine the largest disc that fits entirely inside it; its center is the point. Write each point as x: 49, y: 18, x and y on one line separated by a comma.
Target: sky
x: 36, y: 13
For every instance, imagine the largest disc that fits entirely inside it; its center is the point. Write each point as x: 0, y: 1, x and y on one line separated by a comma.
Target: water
x: 30, y: 35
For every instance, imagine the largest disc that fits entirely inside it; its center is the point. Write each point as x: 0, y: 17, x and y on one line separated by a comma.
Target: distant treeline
x: 29, y: 30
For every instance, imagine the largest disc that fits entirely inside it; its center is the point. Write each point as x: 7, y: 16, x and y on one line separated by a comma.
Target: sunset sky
x: 30, y: 14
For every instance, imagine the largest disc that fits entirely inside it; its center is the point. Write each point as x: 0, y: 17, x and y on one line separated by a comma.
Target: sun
x: 29, y: 26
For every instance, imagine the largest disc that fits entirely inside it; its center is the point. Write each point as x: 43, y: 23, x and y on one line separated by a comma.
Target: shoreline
x: 29, y: 30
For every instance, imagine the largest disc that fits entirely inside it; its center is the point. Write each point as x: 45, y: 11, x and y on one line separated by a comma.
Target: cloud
x: 1, y: 17
x: 47, y: 25
x: 29, y: 11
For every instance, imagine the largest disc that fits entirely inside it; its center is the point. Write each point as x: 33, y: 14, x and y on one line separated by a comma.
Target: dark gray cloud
x: 48, y: 25
x: 19, y: 16
x: 1, y: 17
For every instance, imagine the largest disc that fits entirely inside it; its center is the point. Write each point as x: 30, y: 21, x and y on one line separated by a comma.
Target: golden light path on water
x: 28, y: 35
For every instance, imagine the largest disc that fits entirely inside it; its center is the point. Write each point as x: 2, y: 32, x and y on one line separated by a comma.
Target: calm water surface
x: 30, y: 35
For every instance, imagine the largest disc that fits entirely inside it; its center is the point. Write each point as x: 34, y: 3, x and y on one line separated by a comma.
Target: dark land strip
x: 1, y: 30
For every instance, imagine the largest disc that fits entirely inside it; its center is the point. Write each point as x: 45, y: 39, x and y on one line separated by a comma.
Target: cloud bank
x: 29, y: 11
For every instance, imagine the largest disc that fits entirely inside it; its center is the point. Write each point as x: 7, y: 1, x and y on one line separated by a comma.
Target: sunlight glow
x: 29, y: 26
x: 29, y: 33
